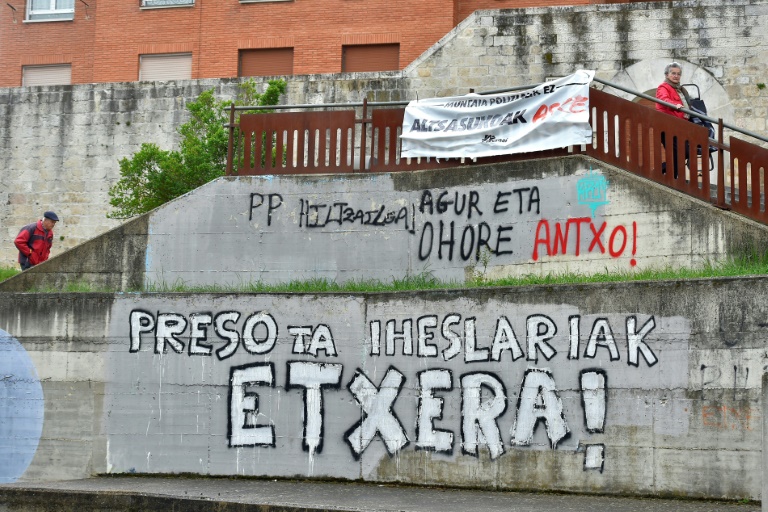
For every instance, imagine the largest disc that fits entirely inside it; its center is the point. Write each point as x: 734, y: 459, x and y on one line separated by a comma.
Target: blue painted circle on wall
x: 22, y: 408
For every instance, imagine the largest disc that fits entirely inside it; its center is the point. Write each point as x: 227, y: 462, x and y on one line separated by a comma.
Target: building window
x: 167, y: 66
x: 370, y: 57
x: 57, y: 74
x: 266, y: 62
x: 166, y: 3
x: 46, y: 10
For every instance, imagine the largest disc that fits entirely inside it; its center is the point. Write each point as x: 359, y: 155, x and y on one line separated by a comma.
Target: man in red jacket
x: 34, y: 241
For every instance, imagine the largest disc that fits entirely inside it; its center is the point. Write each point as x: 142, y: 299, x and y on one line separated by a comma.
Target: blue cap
x: 51, y: 215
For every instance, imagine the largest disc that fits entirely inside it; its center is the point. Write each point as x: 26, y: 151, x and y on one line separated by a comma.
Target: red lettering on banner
x: 557, y: 241
x: 574, y: 105
x: 541, y: 113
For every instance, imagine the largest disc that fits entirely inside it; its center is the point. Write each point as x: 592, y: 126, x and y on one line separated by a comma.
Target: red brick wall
x: 106, y: 47
x: 55, y: 42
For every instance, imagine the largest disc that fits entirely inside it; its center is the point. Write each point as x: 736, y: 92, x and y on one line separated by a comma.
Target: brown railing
x: 332, y: 141
x: 629, y: 136
x: 625, y: 134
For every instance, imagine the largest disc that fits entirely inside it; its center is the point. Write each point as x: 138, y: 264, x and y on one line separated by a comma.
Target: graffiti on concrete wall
x: 555, y: 239
x: 420, y: 361
x: 518, y: 220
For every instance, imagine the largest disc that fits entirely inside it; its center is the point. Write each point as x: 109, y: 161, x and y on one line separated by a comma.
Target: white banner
x: 552, y: 115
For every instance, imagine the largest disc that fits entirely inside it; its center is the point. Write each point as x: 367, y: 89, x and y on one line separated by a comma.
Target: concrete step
x: 241, y: 495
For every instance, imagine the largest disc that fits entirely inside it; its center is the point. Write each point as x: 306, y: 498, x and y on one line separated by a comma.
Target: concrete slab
x: 277, y: 495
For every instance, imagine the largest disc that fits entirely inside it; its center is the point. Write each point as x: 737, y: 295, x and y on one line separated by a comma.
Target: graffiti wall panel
x: 386, y: 388
x: 626, y: 387
x: 566, y: 215
x: 233, y: 384
x: 488, y: 222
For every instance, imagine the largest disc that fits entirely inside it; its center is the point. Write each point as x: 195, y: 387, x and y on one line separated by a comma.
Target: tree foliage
x: 153, y: 176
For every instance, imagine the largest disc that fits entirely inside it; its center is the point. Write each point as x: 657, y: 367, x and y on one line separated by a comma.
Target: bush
x: 152, y: 176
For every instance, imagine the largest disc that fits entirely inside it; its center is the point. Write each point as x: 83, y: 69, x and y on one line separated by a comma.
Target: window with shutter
x: 57, y: 74
x: 266, y: 62
x: 370, y: 57
x: 162, y: 67
x: 166, y: 3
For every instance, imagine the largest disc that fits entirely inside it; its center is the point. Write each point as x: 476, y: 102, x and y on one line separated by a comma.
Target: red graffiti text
x: 567, y: 237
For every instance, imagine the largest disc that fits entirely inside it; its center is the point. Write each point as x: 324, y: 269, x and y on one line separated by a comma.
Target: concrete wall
x: 59, y: 146
x: 562, y: 215
x: 639, y: 388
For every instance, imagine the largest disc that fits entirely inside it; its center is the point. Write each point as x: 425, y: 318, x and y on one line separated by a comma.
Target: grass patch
x: 751, y: 264
x: 423, y: 281
x: 73, y: 287
x: 747, y: 265
x: 6, y: 272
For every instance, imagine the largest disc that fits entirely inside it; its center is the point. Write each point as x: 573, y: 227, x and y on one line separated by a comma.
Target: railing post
x: 720, y: 166
x: 230, y: 147
x: 363, y: 130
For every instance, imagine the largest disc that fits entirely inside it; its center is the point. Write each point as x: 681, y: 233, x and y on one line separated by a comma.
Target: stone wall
x: 59, y: 146
x: 629, y: 388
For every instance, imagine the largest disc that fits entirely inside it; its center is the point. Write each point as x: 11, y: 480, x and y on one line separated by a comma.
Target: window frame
x: 152, y: 56
x: 242, y: 52
x: 58, y: 14
x: 262, y: 1
x: 28, y: 67
x: 346, y: 48
x: 170, y: 5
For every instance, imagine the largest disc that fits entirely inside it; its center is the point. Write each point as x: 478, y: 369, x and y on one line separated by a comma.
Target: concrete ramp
x: 544, y: 216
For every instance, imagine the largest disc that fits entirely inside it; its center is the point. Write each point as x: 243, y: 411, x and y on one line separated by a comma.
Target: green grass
x: 748, y: 265
x: 422, y: 281
x: 752, y: 264
x: 73, y: 287
x: 6, y: 272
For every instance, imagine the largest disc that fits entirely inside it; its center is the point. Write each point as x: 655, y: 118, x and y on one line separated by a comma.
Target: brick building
x: 90, y: 41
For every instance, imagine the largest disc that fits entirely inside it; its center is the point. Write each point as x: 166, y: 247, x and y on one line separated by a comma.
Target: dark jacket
x: 34, y: 243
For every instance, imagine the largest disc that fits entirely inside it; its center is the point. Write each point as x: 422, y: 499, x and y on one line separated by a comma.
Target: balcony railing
x: 625, y: 134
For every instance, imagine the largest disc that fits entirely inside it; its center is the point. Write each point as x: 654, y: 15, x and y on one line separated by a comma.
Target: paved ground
x: 241, y: 494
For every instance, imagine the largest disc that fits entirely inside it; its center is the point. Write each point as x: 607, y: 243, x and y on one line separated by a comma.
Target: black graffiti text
x: 274, y: 201
x: 319, y: 215
x: 257, y: 334
x: 484, y: 400
x: 432, y: 336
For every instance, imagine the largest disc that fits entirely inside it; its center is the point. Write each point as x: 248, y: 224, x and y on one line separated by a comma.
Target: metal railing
x: 627, y: 135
